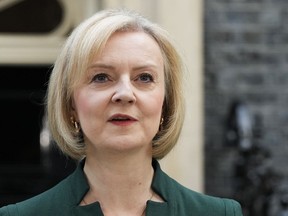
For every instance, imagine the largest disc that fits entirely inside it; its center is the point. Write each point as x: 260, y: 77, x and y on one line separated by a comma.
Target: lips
x: 118, y: 118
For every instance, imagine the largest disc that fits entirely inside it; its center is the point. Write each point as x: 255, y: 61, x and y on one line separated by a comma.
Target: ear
x: 73, y: 111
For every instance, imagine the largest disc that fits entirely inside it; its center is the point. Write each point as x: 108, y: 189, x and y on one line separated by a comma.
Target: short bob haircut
x: 88, y: 39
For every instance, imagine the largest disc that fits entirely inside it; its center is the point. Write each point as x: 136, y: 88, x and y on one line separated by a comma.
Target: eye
x: 100, y: 78
x: 145, y: 77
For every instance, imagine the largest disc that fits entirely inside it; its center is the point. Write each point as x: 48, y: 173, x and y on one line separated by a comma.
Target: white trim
x: 183, y: 20
x: 8, y: 3
x: 29, y: 49
x: 43, y: 49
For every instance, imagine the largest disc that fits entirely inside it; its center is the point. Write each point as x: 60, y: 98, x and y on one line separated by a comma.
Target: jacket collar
x: 160, y: 184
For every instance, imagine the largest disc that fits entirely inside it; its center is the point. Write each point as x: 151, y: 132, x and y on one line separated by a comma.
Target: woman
x: 115, y: 104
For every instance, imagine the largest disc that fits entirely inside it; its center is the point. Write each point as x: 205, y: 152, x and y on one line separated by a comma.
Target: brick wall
x: 246, y: 58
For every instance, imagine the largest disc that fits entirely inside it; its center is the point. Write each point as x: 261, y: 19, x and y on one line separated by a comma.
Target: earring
x: 75, y: 124
x: 161, y: 124
x: 161, y: 121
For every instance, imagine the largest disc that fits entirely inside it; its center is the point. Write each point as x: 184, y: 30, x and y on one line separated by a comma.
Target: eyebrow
x: 148, y: 66
x: 101, y: 65
x: 106, y: 66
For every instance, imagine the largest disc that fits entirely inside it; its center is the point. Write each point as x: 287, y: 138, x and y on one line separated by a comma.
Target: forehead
x: 130, y: 44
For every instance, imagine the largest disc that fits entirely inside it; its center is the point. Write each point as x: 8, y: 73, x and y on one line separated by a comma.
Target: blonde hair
x: 87, y: 40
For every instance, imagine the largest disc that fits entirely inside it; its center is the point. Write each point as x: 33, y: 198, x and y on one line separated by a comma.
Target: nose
x: 124, y: 93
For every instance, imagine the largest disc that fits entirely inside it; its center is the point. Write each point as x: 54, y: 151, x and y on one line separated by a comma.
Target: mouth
x: 121, y: 118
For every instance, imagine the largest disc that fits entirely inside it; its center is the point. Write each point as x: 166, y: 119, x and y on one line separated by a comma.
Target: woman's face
x: 119, y: 104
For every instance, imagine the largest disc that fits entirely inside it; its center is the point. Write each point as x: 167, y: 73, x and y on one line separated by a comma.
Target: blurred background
x: 246, y: 98
x: 234, y: 140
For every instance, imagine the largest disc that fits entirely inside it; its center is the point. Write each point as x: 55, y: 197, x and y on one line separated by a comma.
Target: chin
x: 126, y: 144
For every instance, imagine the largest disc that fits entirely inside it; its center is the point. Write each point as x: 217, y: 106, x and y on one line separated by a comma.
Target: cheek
x: 91, y: 104
x: 153, y: 115
x: 154, y: 105
x: 80, y: 104
x: 84, y: 103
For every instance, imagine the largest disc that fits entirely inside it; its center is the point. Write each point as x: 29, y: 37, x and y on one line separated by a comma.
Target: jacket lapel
x: 88, y: 210
x: 158, y: 208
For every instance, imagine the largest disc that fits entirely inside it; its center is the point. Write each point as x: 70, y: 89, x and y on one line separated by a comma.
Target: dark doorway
x: 25, y: 169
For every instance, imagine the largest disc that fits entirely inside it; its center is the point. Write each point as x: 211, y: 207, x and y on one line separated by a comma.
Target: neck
x: 120, y: 183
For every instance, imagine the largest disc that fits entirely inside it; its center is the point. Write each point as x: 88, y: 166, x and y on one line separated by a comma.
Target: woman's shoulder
x: 210, y: 205
x: 186, y: 200
x: 46, y: 203
x: 202, y: 204
x: 10, y: 210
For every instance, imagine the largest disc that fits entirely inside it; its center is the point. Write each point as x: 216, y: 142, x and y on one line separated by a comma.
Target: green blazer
x: 64, y: 199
